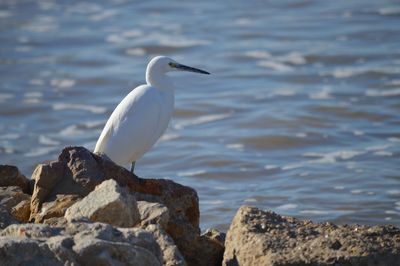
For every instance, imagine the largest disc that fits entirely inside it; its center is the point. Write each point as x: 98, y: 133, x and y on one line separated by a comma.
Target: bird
x: 141, y: 118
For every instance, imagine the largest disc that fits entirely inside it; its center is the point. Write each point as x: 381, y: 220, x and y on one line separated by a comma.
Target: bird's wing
x: 131, y: 127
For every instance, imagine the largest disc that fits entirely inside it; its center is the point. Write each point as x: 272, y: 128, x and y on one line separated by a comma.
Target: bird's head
x: 163, y: 64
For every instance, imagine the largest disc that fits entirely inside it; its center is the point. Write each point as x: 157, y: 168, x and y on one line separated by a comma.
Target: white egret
x: 142, y: 116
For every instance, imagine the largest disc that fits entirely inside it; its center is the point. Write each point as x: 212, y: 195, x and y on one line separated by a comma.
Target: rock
x: 215, y: 235
x: 256, y: 237
x: 55, y: 209
x: 77, y: 172
x: 153, y: 213
x: 112, y: 253
x: 21, y: 211
x: 171, y: 256
x: 30, y: 230
x: 209, y: 251
x: 108, y: 203
x: 211, y: 247
x: 6, y: 218
x: 25, y: 251
x: 11, y: 176
x: 11, y: 196
x: 86, y: 243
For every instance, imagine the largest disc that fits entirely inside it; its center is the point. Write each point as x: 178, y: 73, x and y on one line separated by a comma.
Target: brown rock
x: 77, y: 171
x: 10, y: 176
x: 153, y: 213
x: 55, y: 208
x: 256, y: 237
x: 11, y: 196
x: 21, y: 211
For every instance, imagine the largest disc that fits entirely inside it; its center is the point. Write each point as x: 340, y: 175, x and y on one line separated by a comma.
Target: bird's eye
x: 170, y: 64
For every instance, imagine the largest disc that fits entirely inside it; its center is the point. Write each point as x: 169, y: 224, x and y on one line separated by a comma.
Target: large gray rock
x: 86, y: 243
x: 112, y: 253
x: 171, y: 256
x: 11, y: 176
x: 78, y: 171
x: 256, y: 237
x: 6, y: 218
x: 108, y: 203
x: 26, y: 251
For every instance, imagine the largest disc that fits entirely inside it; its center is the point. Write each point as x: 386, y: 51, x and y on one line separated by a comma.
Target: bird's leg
x: 133, y: 167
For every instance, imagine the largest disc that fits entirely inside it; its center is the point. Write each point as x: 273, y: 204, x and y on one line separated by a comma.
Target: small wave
x: 42, y: 24
x: 93, y: 124
x: 332, y: 157
x: 23, y: 48
x: 71, y: 131
x: 45, y: 140
x: 270, y: 167
x: 294, y: 58
x: 33, y: 94
x: 338, y: 187
x: 135, y: 51
x: 389, y: 11
x: 275, y: 65
x: 5, y: 14
x: 288, y: 206
x: 383, y: 153
x: 104, y: 14
x: 6, y: 96
x: 36, y: 82
x: 301, y: 135
x: 292, y: 166
x: 169, y: 136
x: 131, y: 33
x: 213, y: 202
x: 89, y: 108
x: 383, y: 93
x: 115, y: 38
x: 40, y: 151
x: 192, y: 173
x: 378, y: 147
x: 283, y: 92
x: 180, y: 42
x: 315, y: 212
x: 235, y: 146
x: 62, y: 83
x: 355, y: 71
x: 258, y: 54
x: 394, y: 192
x: 395, y: 82
x: 358, y: 133
x: 393, y: 139
x: 323, y: 94
x: 10, y: 136
x: 84, y: 8
x: 250, y: 200
x: 202, y: 120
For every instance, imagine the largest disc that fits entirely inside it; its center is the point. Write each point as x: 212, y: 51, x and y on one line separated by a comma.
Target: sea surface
x: 301, y: 114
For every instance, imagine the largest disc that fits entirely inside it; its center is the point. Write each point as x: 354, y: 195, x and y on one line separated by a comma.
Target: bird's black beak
x: 188, y: 68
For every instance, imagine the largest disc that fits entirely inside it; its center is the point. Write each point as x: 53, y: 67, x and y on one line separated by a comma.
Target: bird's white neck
x: 158, y: 80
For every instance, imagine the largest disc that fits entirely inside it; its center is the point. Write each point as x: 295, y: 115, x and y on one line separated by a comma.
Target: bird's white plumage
x: 142, y: 116
x: 136, y: 124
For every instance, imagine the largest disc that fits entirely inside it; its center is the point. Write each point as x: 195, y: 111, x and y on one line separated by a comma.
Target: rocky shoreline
x: 84, y: 209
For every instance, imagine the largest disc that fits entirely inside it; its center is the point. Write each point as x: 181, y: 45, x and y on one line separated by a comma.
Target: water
x: 301, y: 114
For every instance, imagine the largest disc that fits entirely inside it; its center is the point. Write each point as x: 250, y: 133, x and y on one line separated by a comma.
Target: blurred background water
x: 301, y: 114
